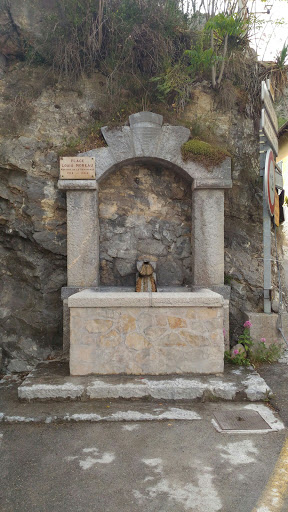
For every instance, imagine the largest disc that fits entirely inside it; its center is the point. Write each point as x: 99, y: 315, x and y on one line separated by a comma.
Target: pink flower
x: 224, y: 332
x: 236, y: 351
x: 263, y: 340
x: 247, y: 324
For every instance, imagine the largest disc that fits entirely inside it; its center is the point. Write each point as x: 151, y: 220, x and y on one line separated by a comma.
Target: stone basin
x: 118, y: 332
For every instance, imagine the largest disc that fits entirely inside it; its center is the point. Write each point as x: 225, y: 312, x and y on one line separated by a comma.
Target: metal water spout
x: 146, y: 276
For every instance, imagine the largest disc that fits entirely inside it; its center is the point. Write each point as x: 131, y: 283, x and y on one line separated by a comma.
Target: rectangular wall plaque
x: 77, y: 168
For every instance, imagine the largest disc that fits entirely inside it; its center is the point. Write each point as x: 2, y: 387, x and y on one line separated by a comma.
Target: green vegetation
x: 114, y: 36
x: 147, y: 49
x: 203, y: 152
x: 277, y: 71
x: 247, y: 353
x: 263, y: 354
x: 155, y: 51
x: 92, y: 138
x: 281, y: 121
x: 228, y: 32
x: 227, y: 279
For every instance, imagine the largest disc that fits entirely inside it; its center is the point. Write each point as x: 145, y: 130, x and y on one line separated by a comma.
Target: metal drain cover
x: 241, y: 421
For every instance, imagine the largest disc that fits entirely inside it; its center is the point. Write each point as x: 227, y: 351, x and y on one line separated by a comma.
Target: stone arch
x: 146, y: 138
x: 144, y: 160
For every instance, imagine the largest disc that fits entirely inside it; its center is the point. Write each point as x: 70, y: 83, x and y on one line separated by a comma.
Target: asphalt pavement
x: 154, y: 462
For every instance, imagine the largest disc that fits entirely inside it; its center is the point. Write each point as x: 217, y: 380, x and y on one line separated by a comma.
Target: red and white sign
x: 269, y: 178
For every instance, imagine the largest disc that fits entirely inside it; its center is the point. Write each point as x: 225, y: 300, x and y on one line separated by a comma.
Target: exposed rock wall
x: 145, y: 214
x: 243, y: 205
x: 32, y: 210
x: 32, y: 266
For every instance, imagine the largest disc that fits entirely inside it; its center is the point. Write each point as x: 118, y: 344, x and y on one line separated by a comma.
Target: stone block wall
x: 145, y: 213
x: 143, y: 340
x: 265, y: 325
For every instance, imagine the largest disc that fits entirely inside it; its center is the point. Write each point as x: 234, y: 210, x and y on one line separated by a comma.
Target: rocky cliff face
x: 40, y: 116
x: 35, y: 126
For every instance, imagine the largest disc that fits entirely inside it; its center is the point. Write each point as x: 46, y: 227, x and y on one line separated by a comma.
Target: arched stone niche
x: 145, y: 212
x: 147, y: 142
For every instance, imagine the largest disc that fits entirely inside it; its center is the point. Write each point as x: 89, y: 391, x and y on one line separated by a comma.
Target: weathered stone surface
x: 198, y: 299
x: 137, y: 341
x: 38, y: 117
x: 171, y: 140
x: 226, y: 330
x: 119, y: 142
x: 125, y: 267
x: 208, y: 237
x: 32, y: 209
x: 266, y: 326
x: 77, y: 184
x: 32, y: 235
x: 146, y: 132
x: 141, y: 218
x: 91, y: 299
x: 175, y: 322
x: 66, y: 328
x: 128, y: 323
x: 207, y: 183
x: 83, y: 238
x: 103, y: 299
x: 146, y: 139
x: 21, y: 354
x: 104, y: 158
x: 151, y: 338
x: 51, y: 380
x: 145, y: 117
x: 99, y: 325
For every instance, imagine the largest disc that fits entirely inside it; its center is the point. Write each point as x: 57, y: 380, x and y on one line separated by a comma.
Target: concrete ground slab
x: 167, y: 466
x: 51, y: 381
x: 56, y: 455
x: 276, y: 376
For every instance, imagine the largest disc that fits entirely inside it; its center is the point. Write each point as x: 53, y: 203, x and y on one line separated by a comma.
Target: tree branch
x: 223, y: 61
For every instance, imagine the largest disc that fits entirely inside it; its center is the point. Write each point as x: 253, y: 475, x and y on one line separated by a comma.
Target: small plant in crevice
x: 246, y: 352
x: 227, y: 279
x: 90, y: 139
x: 204, y: 153
x: 282, y: 121
x: 261, y: 353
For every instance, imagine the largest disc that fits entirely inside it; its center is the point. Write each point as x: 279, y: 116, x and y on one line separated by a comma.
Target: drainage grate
x: 241, y: 421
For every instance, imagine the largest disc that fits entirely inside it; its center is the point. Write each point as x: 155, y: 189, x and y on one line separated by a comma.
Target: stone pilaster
x: 208, y: 237
x: 82, y: 232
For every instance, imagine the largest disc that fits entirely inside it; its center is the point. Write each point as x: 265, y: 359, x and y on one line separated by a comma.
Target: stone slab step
x: 129, y: 413
x: 51, y: 381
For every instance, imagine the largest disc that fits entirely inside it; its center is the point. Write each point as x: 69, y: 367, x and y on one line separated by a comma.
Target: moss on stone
x: 203, y: 152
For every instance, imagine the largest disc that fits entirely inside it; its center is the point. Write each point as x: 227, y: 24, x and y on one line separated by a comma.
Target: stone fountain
x: 146, y: 206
